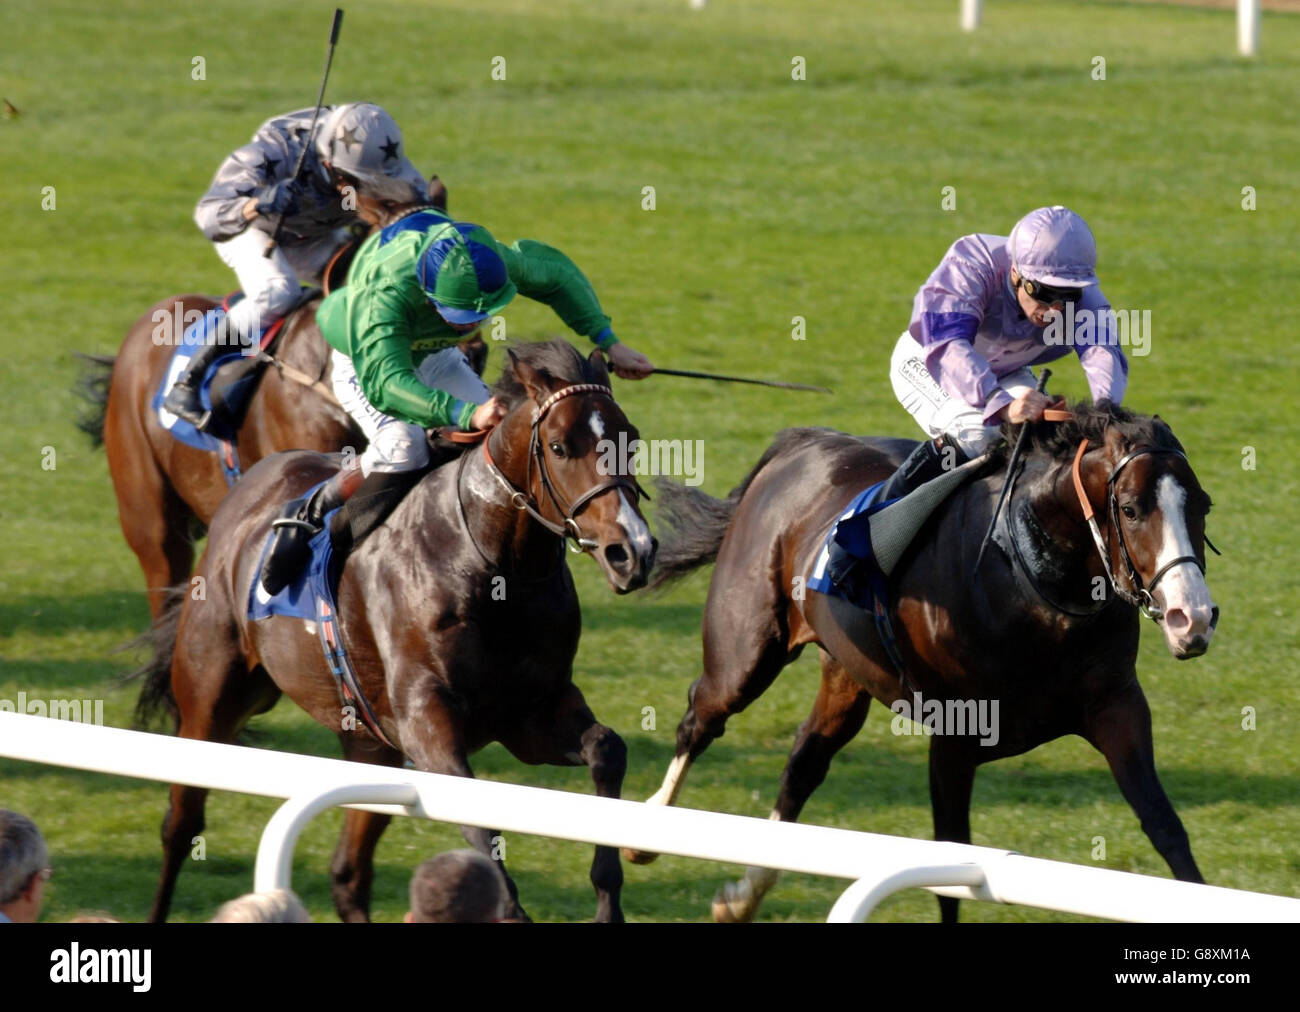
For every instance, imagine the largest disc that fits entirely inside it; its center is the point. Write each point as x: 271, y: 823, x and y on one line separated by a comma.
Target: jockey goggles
x: 1050, y: 294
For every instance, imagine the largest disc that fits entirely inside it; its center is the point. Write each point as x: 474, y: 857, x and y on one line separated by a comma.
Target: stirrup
x: 306, y: 525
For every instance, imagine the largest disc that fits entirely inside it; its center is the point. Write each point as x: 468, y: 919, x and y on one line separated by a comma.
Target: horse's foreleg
x: 1120, y: 729
x: 433, y: 742
x: 952, y: 778
x: 837, y: 716
x: 739, y: 667
x: 352, y: 869
x: 566, y: 733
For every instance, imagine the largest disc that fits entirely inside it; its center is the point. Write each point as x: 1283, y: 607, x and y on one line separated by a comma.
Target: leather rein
x: 524, y: 500
x: 1139, y: 596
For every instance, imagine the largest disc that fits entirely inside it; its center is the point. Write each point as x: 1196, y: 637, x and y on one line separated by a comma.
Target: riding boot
x: 183, y: 399
x: 929, y: 460
x: 296, y: 526
x: 369, y: 507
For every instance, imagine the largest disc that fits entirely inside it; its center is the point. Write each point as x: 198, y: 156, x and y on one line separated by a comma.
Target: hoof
x: 637, y: 856
x: 733, y: 906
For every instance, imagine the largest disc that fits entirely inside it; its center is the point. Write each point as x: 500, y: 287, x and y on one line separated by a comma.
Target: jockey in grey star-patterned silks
x: 354, y: 144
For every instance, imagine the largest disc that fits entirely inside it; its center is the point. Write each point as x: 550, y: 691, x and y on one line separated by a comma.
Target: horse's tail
x: 692, y: 524
x: 156, y: 696
x: 92, y: 387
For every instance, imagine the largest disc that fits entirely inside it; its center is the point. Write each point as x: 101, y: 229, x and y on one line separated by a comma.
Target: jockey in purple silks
x: 990, y: 310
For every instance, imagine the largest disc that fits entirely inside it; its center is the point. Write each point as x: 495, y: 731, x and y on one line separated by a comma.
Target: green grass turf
x: 775, y: 198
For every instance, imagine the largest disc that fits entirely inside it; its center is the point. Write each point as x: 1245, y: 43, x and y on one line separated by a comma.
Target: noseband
x: 1140, y: 596
x: 524, y: 500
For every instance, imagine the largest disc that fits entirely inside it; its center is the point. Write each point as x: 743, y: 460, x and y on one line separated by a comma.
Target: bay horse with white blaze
x: 459, y: 614
x: 1028, y: 631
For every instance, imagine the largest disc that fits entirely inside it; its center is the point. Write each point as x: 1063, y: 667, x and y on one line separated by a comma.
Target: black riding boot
x: 927, y: 461
x: 369, y: 507
x: 183, y: 398
x: 295, y: 528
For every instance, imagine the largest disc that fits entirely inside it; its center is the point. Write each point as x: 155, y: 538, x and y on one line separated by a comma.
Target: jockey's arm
x: 229, y: 204
x: 543, y: 273
x: 381, y: 354
x: 1099, y: 351
x: 956, y: 366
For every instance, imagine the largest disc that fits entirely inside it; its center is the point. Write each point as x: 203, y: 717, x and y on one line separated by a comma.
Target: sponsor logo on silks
x: 975, y: 717
x: 76, y: 965
x: 683, y: 458
x: 1130, y: 328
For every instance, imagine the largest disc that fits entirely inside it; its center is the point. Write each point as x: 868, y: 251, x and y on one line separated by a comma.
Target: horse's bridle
x: 524, y: 500
x: 1141, y: 597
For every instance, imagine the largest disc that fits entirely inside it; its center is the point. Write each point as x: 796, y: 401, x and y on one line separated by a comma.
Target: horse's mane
x: 558, y: 359
x: 1092, y: 421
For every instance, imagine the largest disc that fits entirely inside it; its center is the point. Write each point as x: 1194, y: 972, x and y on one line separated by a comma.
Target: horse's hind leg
x: 744, y: 650
x: 566, y: 733
x: 216, y: 694
x: 155, y: 522
x: 837, y: 716
x: 952, y: 777
x: 1120, y: 729
x: 352, y: 870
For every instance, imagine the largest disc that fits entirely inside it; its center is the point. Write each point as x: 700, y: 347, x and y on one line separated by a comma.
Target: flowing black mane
x: 558, y: 359
x: 1092, y: 421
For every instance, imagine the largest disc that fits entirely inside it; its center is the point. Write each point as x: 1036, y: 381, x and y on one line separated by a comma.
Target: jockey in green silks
x: 415, y: 289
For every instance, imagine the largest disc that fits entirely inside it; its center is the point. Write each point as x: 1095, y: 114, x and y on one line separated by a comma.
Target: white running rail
x: 877, y: 865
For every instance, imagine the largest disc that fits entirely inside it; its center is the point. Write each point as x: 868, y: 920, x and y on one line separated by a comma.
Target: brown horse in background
x: 1029, y: 631
x: 164, y: 486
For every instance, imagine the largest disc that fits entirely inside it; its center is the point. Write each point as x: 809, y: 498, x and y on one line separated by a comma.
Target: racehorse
x: 164, y: 486
x: 459, y: 613
x: 1047, y: 629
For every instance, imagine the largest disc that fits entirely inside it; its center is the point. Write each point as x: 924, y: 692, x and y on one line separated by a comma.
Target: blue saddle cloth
x: 846, y: 568
x: 311, y: 596
x: 846, y: 565
x: 313, y: 587
x: 220, y: 433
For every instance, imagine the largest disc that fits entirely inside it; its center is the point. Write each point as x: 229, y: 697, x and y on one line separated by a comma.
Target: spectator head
x: 278, y: 906
x: 24, y: 867
x: 459, y: 887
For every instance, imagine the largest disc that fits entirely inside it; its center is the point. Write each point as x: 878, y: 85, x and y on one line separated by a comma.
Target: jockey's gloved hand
x: 284, y: 197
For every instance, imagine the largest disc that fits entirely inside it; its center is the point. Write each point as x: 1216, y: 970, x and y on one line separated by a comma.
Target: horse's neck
x: 466, y: 494
x: 1053, y: 541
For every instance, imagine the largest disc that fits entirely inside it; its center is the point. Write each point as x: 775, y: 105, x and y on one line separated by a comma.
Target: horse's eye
x: 1129, y: 512
x: 557, y: 449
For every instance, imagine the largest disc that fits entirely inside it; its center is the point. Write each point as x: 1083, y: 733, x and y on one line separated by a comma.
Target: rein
x: 525, y: 501
x: 1140, y: 596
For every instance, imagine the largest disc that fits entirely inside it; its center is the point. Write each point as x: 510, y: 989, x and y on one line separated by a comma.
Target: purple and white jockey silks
x: 975, y: 343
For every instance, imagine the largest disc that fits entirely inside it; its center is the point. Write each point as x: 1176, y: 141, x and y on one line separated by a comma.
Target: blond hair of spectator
x: 277, y: 906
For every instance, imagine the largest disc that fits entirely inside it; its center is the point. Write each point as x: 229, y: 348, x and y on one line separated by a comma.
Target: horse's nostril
x: 616, y: 556
x: 1177, y: 620
x: 1214, y: 617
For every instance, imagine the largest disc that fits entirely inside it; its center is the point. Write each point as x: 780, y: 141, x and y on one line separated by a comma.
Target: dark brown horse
x: 459, y: 613
x: 1049, y: 638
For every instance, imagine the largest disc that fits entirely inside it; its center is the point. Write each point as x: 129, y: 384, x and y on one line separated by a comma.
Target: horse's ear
x: 531, y: 379
x: 598, y: 367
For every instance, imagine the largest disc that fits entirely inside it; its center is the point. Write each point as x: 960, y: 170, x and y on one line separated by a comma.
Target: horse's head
x: 562, y: 409
x: 1150, y: 510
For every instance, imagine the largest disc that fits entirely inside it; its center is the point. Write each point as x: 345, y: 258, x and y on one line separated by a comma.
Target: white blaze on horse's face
x: 597, y: 425
x: 638, y: 534
x: 1188, y: 620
